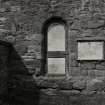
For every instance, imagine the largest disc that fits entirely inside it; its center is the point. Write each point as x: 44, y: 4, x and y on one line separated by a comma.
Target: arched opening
x: 54, y: 46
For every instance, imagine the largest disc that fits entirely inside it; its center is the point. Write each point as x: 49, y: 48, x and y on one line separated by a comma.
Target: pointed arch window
x: 55, y: 44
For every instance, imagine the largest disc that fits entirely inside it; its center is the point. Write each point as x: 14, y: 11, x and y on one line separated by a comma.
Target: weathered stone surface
x: 48, y: 84
x: 91, y: 73
x: 49, y: 92
x: 96, y: 85
x: 88, y: 92
x: 87, y: 65
x: 77, y: 99
x: 70, y: 92
x: 65, y: 85
x: 95, y: 24
x: 79, y: 84
x: 15, y: 8
x: 76, y: 25
x: 75, y: 71
x: 10, y: 39
x: 100, y: 67
x: 21, y: 23
x: 99, y: 73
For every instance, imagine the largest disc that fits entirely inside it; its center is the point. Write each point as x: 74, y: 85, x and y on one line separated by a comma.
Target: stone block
x: 88, y: 92
x: 100, y: 67
x: 79, y: 84
x: 2, y: 10
x: 76, y: 25
x: 38, y: 56
x: 95, y: 24
x: 75, y: 71
x: 96, y: 85
x: 49, y: 92
x: 86, y: 33
x: 15, y: 8
x: 84, y: 72
x: 48, y: 84
x: 100, y: 73
x: 70, y: 92
x: 10, y: 39
x: 3, y: 19
x: 37, y: 71
x: 91, y: 73
x: 65, y: 85
x: 34, y: 37
x: 87, y: 65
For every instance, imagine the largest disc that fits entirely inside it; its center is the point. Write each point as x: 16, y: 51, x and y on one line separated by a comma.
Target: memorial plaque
x: 56, y: 65
x: 90, y: 50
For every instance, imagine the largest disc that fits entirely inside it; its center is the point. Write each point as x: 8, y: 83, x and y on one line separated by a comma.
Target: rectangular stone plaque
x: 56, y: 65
x: 90, y: 50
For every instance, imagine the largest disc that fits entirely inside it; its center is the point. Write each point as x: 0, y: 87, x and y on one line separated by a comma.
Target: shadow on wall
x: 18, y: 87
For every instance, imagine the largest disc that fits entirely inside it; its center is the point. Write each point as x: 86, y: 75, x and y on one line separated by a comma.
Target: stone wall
x: 21, y: 23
